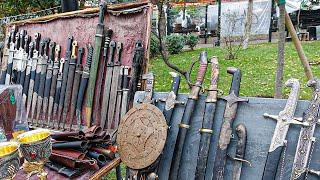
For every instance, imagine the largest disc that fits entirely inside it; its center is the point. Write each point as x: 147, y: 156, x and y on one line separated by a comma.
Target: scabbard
x: 113, y: 96
x: 100, y: 158
x: 41, y: 91
x: 271, y: 166
x: 52, y: 95
x: 118, y: 106
x: 74, y: 163
x: 68, y: 172
x: 68, y: 136
x: 35, y: 91
x: 106, y: 97
x: 46, y: 96
x: 26, y: 84
x: 75, y: 89
x: 68, y: 92
x: 63, y: 91
x: 70, y: 153
x: 79, y: 145
x: 56, y: 103
x: 82, y: 90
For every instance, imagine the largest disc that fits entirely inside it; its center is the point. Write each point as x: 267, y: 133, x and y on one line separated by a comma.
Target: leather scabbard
x: 68, y: 136
x: 74, y: 163
x: 71, y: 153
x: 69, y: 172
x: 79, y: 145
x: 100, y: 158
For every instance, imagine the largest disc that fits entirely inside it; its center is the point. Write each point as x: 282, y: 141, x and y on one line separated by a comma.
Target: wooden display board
x: 130, y: 22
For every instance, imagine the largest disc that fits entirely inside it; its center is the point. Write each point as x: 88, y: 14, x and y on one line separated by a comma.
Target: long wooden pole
x: 297, y: 44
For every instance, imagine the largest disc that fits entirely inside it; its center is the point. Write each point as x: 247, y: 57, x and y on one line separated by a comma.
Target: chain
x: 309, y: 158
x: 283, y: 160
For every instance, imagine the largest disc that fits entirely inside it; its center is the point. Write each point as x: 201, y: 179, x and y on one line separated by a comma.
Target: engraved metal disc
x: 141, y: 136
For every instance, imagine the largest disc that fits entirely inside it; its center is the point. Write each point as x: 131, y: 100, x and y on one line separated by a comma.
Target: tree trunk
x: 248, y: 24
x: 281, y: 44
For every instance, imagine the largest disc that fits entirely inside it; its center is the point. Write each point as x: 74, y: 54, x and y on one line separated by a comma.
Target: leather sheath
x: 106, y: 152
x: 100, y: 158
x: 68, y: 136
x: 69, y: 153
x: 68, y: 172
x: 79, y: 145
x: 74, y: 163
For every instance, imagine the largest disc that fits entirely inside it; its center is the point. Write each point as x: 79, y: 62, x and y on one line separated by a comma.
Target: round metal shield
x: 141, y: 136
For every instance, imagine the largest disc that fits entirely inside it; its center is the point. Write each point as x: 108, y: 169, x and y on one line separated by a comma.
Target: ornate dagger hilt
x: 149, y: 78
x: 51, y: 51
x: 233, y: 96
x: 107, y: 40
x: 112, y: 47
x: 170, y: 100
x: 119, y: 49
x: 200, y: 77
x: 213, y: 89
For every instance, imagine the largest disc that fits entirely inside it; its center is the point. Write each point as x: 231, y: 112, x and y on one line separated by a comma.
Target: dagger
x: 24, y: 60
x: 83, y: 85
x: 241, y: 132
x: 71, y: 71
x: 34, y: 61
x: 17, y: 61
x: 48, y: 82
x: 54, y: 82
x: 44, y: 64
x: 12, y: 51
x: 75, y: 86
x: 230, y: 112
x: 37, y: 79
x: 207, y: 123
x: 107, y: 86
x: 65, y: 71
x: 125, y: 86
x: 97, y: 98
x: 95, y: 63
x: 55, y: 72
x: 170, y: 102
x: 278, y: 141
x: 184, y: 125
x: 114, y: 87
x: 306, y: 137
x: 28, y: 71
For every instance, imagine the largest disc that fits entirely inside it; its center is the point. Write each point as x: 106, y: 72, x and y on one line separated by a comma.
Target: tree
x: 248, y: 24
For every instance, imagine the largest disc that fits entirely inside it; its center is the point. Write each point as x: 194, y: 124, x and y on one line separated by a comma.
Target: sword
x: 55, y: 73
x: 278, y: 141
x: 240, y: 151
x: 207, y: 123
x: 44, y: 64
x: 184, y: 125
x: 170, y: 102
x: 4, y: 62
x: 230, y: 112
x: 24, y: 59
x: 119, y: 99
x: 114, y: 87
x: 97, y: 98
x: 37, y: 79
x: 11, y: 54
x: 17, y: 60
x: 64, y: 80
x: 95, y: 63
x: 72, y: 67
x: 48, y: 83
x: 306, y: 137
x: 125, y: 86
x: 34, y: 63
x: 28, y: 77
x: 75, y: 86
x: 83, y: 85
x: 107, y: 85
x: 136, y: 69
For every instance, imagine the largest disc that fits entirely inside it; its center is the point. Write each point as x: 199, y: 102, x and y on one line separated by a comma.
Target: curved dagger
x: 310, y: 116
x: 278, y: 141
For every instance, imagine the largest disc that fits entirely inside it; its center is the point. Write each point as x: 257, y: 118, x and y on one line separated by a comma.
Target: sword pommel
x: 236, y: 79
x: 315, y: 83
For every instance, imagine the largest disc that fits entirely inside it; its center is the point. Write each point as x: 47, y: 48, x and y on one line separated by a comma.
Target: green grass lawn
x: 258, y: 65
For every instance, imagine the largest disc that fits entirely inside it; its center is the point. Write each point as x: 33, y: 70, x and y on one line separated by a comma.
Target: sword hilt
x: 27, y: 39
x: 31, y: 48
x: 119, y: 49
x: 149, y: 86
x: 37, y: 37
x: 80, y: 56
x: 112, y: 47
x: 22, y: 35
x: 74, y: 49
x: 17, y: 41
x: 51, y: 51
x: 89, y: 56
x: 57, y: 53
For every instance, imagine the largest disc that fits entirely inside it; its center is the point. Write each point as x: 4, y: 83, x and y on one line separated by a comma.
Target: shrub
x: 192, y: 40
x: 175, y: 43
x: 154, y: 46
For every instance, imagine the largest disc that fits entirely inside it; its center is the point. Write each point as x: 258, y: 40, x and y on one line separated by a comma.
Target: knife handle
x: 236, y: 79
x: 202, y: 68
x: 37, y: 37
x: 175, y: 83
x: 271, y: 166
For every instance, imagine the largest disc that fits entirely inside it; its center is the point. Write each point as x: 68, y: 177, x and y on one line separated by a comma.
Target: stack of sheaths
x: 55, y: 88
x: 147, y: 124
x: 75, y: 153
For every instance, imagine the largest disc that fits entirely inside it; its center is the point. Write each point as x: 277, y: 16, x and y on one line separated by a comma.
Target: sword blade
x: 113, y: 95
x: 105, y: 97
